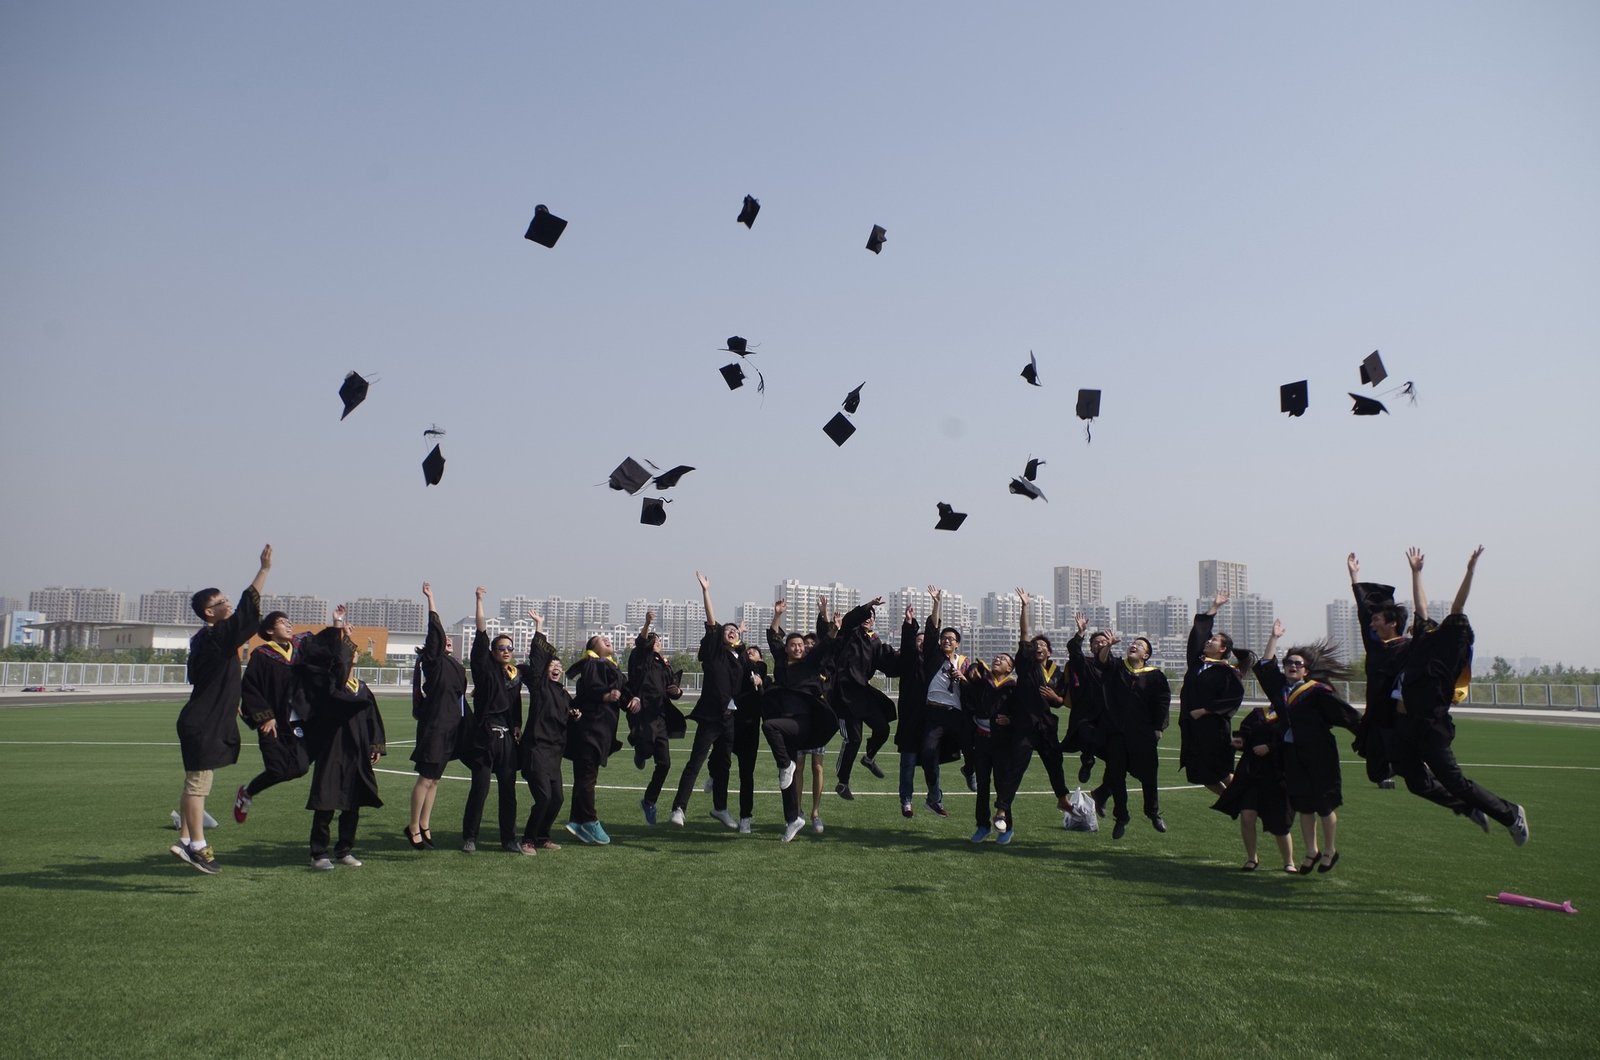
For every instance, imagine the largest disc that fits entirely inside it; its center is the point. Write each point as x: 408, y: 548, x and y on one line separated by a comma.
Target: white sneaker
x: 816, y: 823
x: 677, y: 817
x: 725, y: 817
x: 322, y: 864
x: 792, y: 829
x: 350, y: 860
x: 1519, y: 827
x: 744, y: 825
x: 785, y: 778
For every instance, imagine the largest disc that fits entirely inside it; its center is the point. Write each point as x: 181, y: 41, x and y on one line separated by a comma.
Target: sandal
x: 1329, y: 861
x: 1309, y: 863
x: 414, y: 838
x: 427, y: 837
x: 1249, y: 866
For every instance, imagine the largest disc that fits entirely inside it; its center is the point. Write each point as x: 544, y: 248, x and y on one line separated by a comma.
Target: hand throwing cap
x: 546, y: 227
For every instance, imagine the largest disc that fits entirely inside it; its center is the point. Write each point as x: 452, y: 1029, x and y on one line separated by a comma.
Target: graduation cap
x: 747, y: 215
x: 433, y: 467
x: 733, y: 375
x: 1032, y: 471
x: 1088, y: 409
x: 876, y: 240
x: 654, y: 511
x: 1293, y: 398
x: 1372, y: 370
x: 1023, y: 488
x: 1030, y: 371
x: 949, y: 518
x: 629, y: 476
x: 1375, y: 594
x: 839, y: 428
x: 668, y: 479
x: 353, y: 391
x: 852, y: 400
x: 546, y: 227
x: 1365, y: 406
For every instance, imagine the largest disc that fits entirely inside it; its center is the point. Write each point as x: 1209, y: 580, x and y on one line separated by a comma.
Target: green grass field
x: 883, y: 937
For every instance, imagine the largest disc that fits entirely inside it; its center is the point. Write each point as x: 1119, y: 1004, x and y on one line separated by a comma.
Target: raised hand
x: 1354, y: 565
x: 479, y: 593
x: 266, y: 557
x: 705, y: 583
x: 1220, y: 599
x: 1414, y: 557
x: 1472, y: 560
x: 1082, y: 623
x: 1277, y: 628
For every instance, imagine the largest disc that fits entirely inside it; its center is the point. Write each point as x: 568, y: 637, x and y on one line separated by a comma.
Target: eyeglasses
x: 502, y: 647
x: 1293, y: 664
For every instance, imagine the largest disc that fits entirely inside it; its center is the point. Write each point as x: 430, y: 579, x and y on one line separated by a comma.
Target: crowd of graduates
x: 312, y: 714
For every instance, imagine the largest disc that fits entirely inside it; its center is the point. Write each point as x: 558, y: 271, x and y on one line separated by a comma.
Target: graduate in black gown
x: 544, y: 738
x: 860, y: 654
x: 723, y: 676
x: 439, y: 707
x: 489, y: 749
x: 945, y: 673
x: 1031, y: 723
x: 601, y: 692
x: 1303, y: 692
x: 346, y: 738
x: 1212, y: 691
x: 208, y: 724
x: 747, y: 722
x: 1086, y: 711
x: 1256, y: 790
x: 795, y: 712
x: 1436, y: 675
x: 652, y: 681
x: 985, y: 696
x: 1138, y: 703
x: 1383, y: 635
x: 273, y: 705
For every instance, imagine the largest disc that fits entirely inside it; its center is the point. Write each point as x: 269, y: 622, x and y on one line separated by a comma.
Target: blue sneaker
x: 597, y: 833
x: 1004, y: 838
x: 981, y: 834
x: 580, y: 831
x: 649, y: 809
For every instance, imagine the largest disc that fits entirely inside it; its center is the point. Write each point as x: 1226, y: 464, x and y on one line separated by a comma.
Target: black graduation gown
x: 1384, y: 661
x: 1138, y: 705
x: 596, y: 730
x: 916, y: 672
x: 208, y: 724
x: 345, y: 729
x: 269, y: 690
x: 1257, y: 782
x: 1438, y: 658
x: 549, y: 705
x: 1310, y: 753
x: 860, y: 654
x: 797, y: 690
x: 496, y: 702
x: 723, y: 673
x: 440, y: 706
x: 1206, y: 751
x: 1032, y: 717
x: 650, y: 678
x: 1086, y: 683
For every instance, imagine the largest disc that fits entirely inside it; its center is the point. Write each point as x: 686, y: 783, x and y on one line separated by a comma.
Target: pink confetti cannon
x: 1507, y: 898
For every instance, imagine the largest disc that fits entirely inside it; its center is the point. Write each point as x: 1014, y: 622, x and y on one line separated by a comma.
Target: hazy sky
x: 214, y: 211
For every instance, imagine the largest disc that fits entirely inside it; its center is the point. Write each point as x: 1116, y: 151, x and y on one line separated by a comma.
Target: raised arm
x: 705, y: 597
x: 261, y: 572
x: 1459, y: 604
x: 938, y: 599
x: 1023, y: 596
x: 1271, y: 650
x: 478, y: 612
x: 1419, y: 598
x: 1217, y: 602
x: 644, y: 630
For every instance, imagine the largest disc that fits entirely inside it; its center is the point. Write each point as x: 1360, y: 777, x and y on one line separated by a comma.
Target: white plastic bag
x: 1081, y: 816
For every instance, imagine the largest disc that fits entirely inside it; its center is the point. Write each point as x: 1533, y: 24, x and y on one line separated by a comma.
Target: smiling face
x: 949, y: 643
x: 1218, y: 646
x: 553, y: 670
x: 1294, y: 667
x: 1138, y: 651
x: 730, y: 634
x: 1001, y: 665
x: 282, y: 630
x: 501, y: 649
x: 1041, y: 649
x: 794, y: 648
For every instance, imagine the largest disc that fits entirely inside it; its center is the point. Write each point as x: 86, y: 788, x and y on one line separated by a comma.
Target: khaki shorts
x: 198, y: 782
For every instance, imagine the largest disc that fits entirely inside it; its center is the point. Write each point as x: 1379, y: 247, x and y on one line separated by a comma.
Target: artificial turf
x: 881, y: 937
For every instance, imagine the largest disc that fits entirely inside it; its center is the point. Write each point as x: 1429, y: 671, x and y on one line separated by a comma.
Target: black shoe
x: 469, y: 846
x: 972, y: 781
x: 1387, y: 784
x: 638, y: 760
x: 1084, y: 772
x: 1157, y: 823
x: 844, y: 792
x: 511, y: 847
x: 1119, y: 830
x: 1099, y: 805
x: 873, y: 767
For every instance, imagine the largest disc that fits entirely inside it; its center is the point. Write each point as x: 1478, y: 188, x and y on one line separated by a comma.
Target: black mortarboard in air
x: 739, y: 345
x: 668, y: 479
x: 747, y: 214
x: 878, y: 237
x: 1294, y: 397
x: 353, y: 391
x: 949, y: 519
x: 630, y: 476
x: 1023, y: 488
x: 1032, y: 472
x: 433, y: 467
x: 1088, y: 409
x: 1366, y: 406
x: 1372, y: 370
x: 1374, y: 595
x: 1030, y: 371
x: 545, y: 227
x: 852, y: 400
x: 733, y: 375
x: 654, y: 511
x: 839, y: 428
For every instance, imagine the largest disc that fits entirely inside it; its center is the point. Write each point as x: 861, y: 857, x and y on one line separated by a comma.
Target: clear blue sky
x: 212, y: 212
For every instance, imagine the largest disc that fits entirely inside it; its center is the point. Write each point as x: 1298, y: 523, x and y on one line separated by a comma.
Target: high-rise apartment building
x: 168, y: 607
x: 396, y: 614
x: 1344, y: 628
x: 755, y: 618
x: 59, y: 604
x: 953, y: 610
x: 1219, y: 574
x: 800, y: 602
x: 1078, y: 587
x: 303, y: 609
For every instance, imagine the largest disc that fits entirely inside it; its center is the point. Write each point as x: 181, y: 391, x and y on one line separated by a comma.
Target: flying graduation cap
x: 546, y: 227
x: 1088, y: 409
x: 1023, y: 488
x: 1365, y: 406
x: 433, y: 467
x: 629, y: 476
x: 733, y: 374
x: 1032, y: 471
x: 1372, y: 370
x: 653, y: 512
x: 878, y: 237
x: 668, y: 479
x: 1294, y: 397
x: 949, y: 519
x: 852, y: 400
x: 747, y: 214
x: 839, y: 428
x: 353, y: 391
x: 1030, y: 371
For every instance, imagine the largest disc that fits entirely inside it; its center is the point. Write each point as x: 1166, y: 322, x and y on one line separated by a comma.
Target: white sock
x: 197, y: 844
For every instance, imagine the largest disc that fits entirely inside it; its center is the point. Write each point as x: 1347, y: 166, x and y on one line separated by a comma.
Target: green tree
x: 1501, y: 670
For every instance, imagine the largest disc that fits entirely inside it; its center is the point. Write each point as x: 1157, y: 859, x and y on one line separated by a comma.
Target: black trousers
x: 543, y: 774
x: 746, y: 748
x: 1376, y: 750
x: 852, y: 744
x: 585, y: 775
x: 783, y: 736
x: 499, y: 760
x: 1013, y: 759
x: 1121, y: 760
x: 980, y: 759
x: 321, y: 824
x: 713, y: 739
x: 1420, y: 750
x: 935, y: 722
x: 659, y: 748
x: 283, y: 757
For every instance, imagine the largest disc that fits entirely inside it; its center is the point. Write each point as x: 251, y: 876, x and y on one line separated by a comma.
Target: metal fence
x: 393, y: 679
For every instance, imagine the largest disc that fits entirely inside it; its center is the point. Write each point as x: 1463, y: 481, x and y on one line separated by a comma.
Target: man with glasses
x: 208, y: 725
x: 497, y: 683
